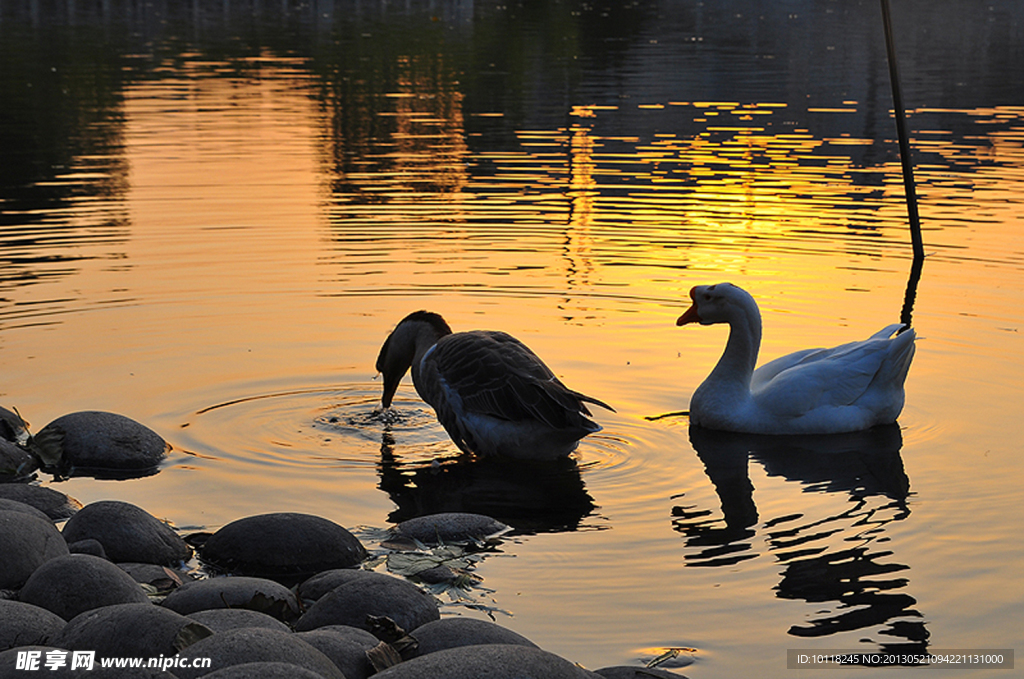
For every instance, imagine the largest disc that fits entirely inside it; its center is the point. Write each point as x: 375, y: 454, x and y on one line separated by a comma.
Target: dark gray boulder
x: 254, y: 644
x: 13, y: 429
x: 264, y: 670
x: 88, y: 546
x: 99, y: 444
x: 123, y: 673
x: 23, y: 624
x: 224, y: 619
x: 131, y: 630
x: 26, y: 543
x: 346, y: 649
x: 16, y: 506
x: 16, y: 463
x: 450, y: 527
x: 127, y: 533
x: 9, y: 664
x: 285, y: 546
x: 453, y: 632
x: 73, y: 584
x: 379, y: 595
x: 494, y: 661
x: 322, y: 583
x: 54, y: 504
x: 627, y: 672
x: 255, y: 594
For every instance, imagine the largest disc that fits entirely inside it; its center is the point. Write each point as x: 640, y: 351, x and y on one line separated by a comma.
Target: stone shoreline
x: 282, y: 595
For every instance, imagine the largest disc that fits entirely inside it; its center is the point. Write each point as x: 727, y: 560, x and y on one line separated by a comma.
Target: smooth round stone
x: 127, y: 533
x: 16, y: 506
x: 494, y: 661
x: 22, y: 624
x: 9, y: 664
x: 15, y: 462
x: 627, y: 672
x: 131, y: 630
x: 26, y: 543
x: 449, y: 527
x: 73, y: 584
x: 283, y: 545
x: 88, y: 546
x: 95, y: 441
x: 264, y: 670
x: 347, y: 650
x: 380, y: 595
x: 454, y: 632
x: 322, y: 583
x: 252, y: 645
x: 224, y: 619
x: 12, y: 427
x: 54, y: 504
x: 123, y: 673
x: 256, y: 594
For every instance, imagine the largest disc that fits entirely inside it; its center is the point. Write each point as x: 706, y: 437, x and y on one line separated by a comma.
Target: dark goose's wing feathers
x: 495, y: 374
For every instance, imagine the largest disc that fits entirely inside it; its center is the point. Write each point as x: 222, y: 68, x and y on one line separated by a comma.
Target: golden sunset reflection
x: 236, y: 228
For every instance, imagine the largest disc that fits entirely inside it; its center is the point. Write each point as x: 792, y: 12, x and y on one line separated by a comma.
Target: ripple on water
x: 320, y: 426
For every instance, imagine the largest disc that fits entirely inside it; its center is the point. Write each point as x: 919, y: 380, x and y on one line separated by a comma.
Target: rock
x: 378, y: 595
x: 16, y: 463
x: 23, y: 624
x: 15, y: 506
x: 252, y: 645
x: 322, y: 583
x: 54, y: 504
x: 124, y: 673
x: 9, y: 663
x: 346, y: 649
x: 127, y: 533
x: 255, y: 594
x: 264, y: 670
x: 224, y: 619
x: 26, y: 543
x: 626, y: 672
x: 494, y: 661
x: 99, y: 444
x: 450, y: 527
x: 164, y: 579
x: 12, y: 428
x: 131, y: 630
x: 73, y: 584
x: 88, y: 546
x: 453, y: 632
x: 284, y: 546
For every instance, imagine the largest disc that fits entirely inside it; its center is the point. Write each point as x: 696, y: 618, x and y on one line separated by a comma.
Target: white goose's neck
x: 738, y: 360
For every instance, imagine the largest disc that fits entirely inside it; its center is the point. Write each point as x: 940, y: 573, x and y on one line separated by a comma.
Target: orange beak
x: 691, y: 316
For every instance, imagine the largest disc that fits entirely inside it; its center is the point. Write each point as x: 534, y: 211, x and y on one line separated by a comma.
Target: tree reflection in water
x: 819, y: 563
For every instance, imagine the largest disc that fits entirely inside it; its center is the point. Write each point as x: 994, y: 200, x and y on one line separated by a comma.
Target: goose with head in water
x: 847, y: 388
x: 490, y: 392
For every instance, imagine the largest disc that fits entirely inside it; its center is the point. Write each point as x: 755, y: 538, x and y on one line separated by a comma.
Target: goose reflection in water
x: 858, y: 578
x: 531, y: 496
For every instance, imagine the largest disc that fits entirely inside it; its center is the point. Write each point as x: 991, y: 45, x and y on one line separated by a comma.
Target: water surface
x: 212, y: 216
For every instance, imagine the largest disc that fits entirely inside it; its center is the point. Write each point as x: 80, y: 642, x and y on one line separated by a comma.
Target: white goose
x: 490, y: 392
x: 847, y: 388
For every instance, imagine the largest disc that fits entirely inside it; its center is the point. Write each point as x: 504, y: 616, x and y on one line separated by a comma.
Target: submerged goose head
x: 407, y: 343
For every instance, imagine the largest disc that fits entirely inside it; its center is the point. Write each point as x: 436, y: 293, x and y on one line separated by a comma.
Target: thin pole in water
x: 908, y: 168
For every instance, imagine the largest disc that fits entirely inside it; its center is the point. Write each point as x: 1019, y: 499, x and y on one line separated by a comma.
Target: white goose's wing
x: 794, y: 385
